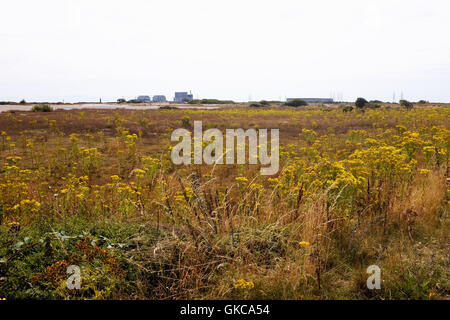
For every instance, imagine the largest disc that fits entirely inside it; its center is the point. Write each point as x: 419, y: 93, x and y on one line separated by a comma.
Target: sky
x: 84, y: 50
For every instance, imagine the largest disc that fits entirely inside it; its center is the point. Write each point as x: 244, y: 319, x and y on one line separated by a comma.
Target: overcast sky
x: 83, y: 50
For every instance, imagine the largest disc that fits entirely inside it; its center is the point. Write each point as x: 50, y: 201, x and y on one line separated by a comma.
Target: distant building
x: 159, y: 98
x: 313, y: 100
x: 183, y: 96
x: 143, y: 99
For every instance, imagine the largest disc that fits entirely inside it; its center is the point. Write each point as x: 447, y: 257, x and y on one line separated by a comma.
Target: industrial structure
x: 143, y: 99
x: 183, y: 97
x: 313, y: 100
x: 159, y: 98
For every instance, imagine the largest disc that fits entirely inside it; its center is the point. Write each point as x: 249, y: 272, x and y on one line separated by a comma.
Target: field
x: 97, y: 189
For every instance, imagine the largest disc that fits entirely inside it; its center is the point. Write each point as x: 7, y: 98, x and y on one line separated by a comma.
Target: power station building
x: 183, y: 97
x: 159, y: 98
x: 313, y: 100
x: 143, y: 99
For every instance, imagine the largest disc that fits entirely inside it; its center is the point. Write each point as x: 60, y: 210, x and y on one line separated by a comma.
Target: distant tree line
x: 210, y: 101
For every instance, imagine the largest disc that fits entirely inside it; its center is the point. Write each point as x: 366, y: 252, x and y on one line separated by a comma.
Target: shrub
x: 347, y: 109
x: 406, y: 104
x: 360, y: 103
x: 167, y: 108
x: 373, y: 105
x: 296, y: 103
x: 42, y: 108
x: 422, y: 102
x: 185, y: 121
x: 22, y: 101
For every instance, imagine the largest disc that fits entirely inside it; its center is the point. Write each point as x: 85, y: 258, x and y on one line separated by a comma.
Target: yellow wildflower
x: 242, y: 284
x: 304, y: 244
x: 242, y: 180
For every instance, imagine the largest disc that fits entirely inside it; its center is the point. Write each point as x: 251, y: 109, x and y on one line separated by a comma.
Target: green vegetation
x: 296, y: 103
x: 42, y: 108
x: 347, y: 109
x: 262, y: 103
x: 406, y: 104
x: 360, y: 103
x: 210, y: 101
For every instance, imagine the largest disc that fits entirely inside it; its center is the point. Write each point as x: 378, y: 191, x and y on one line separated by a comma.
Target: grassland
x: 97, y: 189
